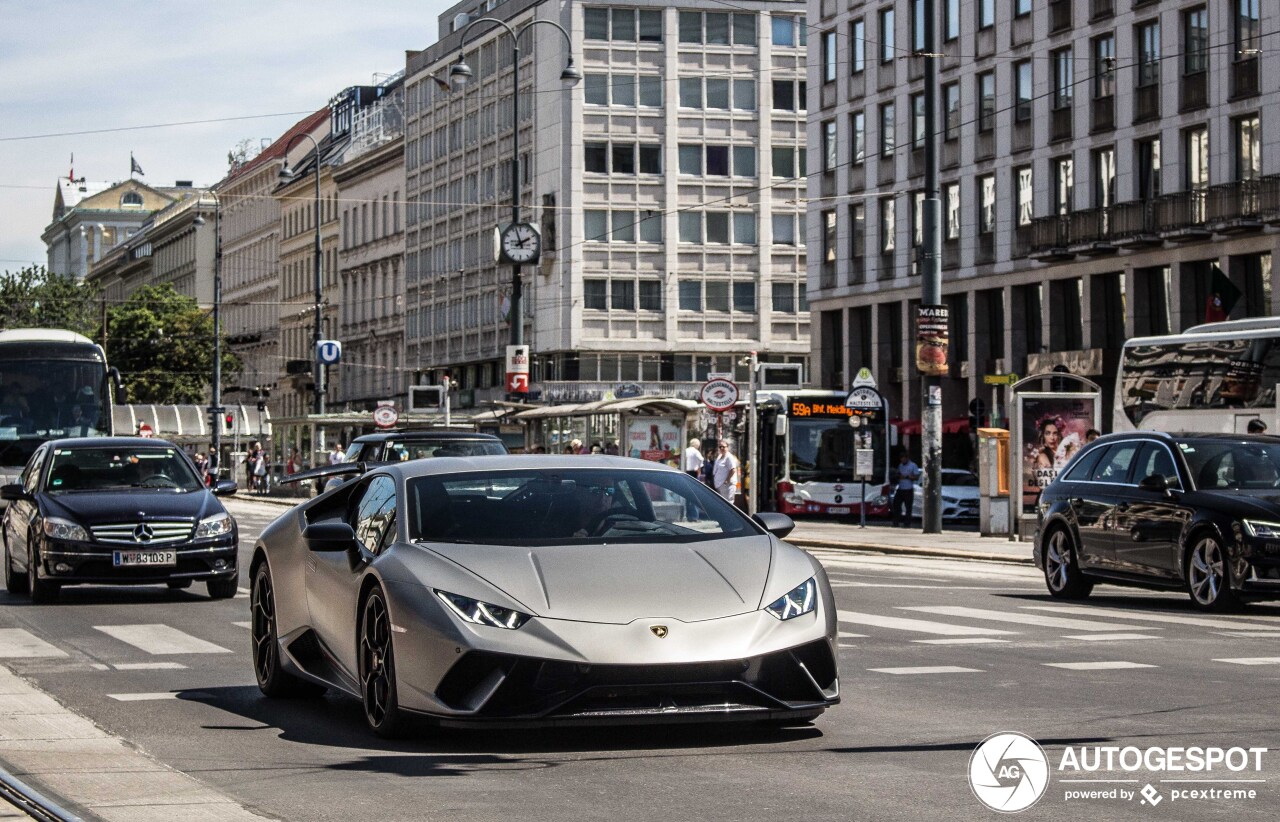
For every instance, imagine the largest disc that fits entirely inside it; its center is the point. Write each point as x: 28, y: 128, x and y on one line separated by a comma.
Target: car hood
x: 621, y: 583
x: 133, y: 505
x: 1237, y: 503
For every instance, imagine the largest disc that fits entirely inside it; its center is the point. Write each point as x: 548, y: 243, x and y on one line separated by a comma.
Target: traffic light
x: 231, y: 419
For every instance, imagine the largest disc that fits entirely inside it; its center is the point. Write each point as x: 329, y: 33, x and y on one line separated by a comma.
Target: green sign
x: 1000, y: 379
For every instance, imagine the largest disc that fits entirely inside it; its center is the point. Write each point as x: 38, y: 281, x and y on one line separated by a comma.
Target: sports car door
x: 333, y: 580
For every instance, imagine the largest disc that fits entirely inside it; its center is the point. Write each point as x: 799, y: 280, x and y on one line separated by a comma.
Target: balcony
x: 1146, y: 104
x: 1099, y: 9
x: 1269, y: 199
x: 1059, y: 15
x: 1090, y: 232
x: 1234, y: 208
x: 1181, y: 216
x: 1060, y: 122
x: 1102, y: 112
x: 1133, y: 224
x: 1193, y: 93
x: 1049, y: 238
x: 1244, y: 77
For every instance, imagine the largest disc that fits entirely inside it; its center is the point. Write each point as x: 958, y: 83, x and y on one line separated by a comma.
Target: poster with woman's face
x: 1053, y: 430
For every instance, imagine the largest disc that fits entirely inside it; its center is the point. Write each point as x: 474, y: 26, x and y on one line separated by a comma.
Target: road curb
x: 906, y: 550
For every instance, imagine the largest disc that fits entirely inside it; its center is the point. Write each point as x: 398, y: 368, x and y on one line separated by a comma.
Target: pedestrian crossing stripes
x: 927, y: 669
x: 1016, y: 618
x: 16, y: 643
x: 917, y: 625
x: 1097, y: 666
x: 160, y: 639
x: 1153, y: 616
x: 1110, y: 637
x: 1252, y: 660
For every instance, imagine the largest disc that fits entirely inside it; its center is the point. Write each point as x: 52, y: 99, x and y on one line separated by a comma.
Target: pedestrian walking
x: 693, y: 459
x: 335, y: 454
x: 724, y: 474
x: 212, y: 467
x: 904, y: 496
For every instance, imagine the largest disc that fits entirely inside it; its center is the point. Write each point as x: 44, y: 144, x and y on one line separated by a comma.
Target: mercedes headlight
x: 1260, y: 529
x: 56, y: 528
x: 798, y: 601
x: 214, y: 526
x: 482, y: 613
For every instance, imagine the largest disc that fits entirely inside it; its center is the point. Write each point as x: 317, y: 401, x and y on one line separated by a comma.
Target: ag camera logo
x: 1008, y: 772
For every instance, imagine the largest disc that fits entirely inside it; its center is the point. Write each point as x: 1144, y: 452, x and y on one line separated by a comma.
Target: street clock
x: 519, y: 243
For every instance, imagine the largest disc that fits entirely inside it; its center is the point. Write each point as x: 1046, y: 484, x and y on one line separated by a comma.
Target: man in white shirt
x: 725, y: 472
x: 693, y: 459
x: 336, y: 456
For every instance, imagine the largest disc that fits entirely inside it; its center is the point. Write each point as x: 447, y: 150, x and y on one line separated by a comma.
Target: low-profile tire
x: 223, y: 588
x: 178, y: 584
x: 273, y: 680
x: 1062, y: 572
x: 14, y: 582
x: 378, y: 669
x: 1208, y: 575
x: 41, y: 591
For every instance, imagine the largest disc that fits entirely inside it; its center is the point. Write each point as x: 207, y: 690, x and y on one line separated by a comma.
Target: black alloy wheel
x: 1061, y: 571
x: 273, y: 680
x: 41, y: 591
x: 377, y: 668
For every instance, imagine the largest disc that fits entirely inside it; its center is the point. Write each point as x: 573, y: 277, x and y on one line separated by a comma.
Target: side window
x: 1155, y: 459
x: 1114, y: 467
x: 375, y: 514
x: 1081, y: 468
x: 370, y: 452
x: 30, y: 478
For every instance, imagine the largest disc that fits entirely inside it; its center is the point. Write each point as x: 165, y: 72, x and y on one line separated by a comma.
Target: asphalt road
x: 936, y: 655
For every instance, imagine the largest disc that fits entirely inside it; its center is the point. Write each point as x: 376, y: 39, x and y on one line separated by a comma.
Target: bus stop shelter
x: 652, y: 428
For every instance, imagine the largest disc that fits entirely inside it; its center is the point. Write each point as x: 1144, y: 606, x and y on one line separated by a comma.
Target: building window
x: 744, y: 227
x: 744, y: 297
x: 690, y: 227
x: 1148, y: 156
x: 744, y: 29
x: 888, y: 226
x: 784, y: 298
x: 1248, y: 148
x: 1148, y: 48
x: 624, y: 226
x: 917, y: 121
x: 744, y: 161
x: 717, y: 227
x: 651, y: 228
x: 1025, y: 202
x: 858, y: 45
x: 790, y: 31
x: 622, y: 295
x: 1196, y: 142
x: 829, y: 57
x: 857, y: 137
x: 650, y: 295
x: 1022, y: 91
x: 131, y: 199
x: 952, y: 21
x: 1063, y: 184
x: 595, y: 294
x: 917, y: 219
x: 595, y: 225
x: 596, y: 25
x: 1063, y: 82
x: 830, y: 151
x: 857, y: 235
x: 718, y: 93
x: 951, y: 111
x: 624, y: 158
x: 1104, y: 177
x: 986, y: 13
x: 886, y: 129
x: 650, y: 159
x: 1021, y: 7
x: 690, y: 295
x: 917, y: 26
x: 887, y: 50
x: 986, y: 101
x: 1195, y: 40
x: 1104, y: 66
x: 784, y: 95
x: 717, y: 296
x: 744, y: 95
x: 650, y: 90
x: 717, y: 164
x: 828, y: 236
x: 987, y: 204
x: 690, y: 157
x: 1248, y: 29
x: 788, y: 162
x: 595, y: 158
x: 951, y: 200
x: 784, y: 229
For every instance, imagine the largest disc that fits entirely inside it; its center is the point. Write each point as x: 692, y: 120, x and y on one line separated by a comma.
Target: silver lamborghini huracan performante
x: 541, y: 590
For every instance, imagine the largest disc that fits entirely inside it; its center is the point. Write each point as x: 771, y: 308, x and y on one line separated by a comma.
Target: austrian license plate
x: 132, y: 558
x: 839, y: 509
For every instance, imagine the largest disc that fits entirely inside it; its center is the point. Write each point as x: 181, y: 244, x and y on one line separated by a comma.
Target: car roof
x: 110, y: 442
x: 1166, y: 436
x: 514, y: 462
x: 426, y: 436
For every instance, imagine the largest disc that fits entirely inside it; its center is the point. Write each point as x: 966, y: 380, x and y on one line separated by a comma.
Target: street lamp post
x: 286, y: 174
x: 460, y: 73
x: 215, y: 403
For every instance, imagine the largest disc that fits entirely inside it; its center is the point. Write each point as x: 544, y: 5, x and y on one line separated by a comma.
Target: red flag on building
x: 1223, y: 296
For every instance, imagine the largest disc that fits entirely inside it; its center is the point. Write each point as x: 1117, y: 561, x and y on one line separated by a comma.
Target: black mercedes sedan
x: 1196, y: 512
x: 115, y: 511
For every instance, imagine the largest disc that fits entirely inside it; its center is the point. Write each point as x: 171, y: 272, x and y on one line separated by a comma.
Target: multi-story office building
x: 1100, y: 161
x: 668, y: 184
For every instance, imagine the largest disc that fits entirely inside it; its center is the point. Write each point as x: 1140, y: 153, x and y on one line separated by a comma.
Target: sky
x: 76, y: 66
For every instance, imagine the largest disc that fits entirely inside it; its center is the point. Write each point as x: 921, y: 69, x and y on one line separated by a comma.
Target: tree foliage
x: 163, y: 345
x: 32, y: 297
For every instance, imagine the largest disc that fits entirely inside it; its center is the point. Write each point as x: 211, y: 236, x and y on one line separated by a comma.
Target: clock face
x: 521, y: 243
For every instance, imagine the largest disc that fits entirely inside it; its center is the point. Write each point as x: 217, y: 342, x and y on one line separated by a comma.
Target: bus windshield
x: 822, y: 450
x: 47, y: 398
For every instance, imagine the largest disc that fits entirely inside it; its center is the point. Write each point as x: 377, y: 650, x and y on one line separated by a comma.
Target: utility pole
x: 753, y: 434
x: 931, y: 277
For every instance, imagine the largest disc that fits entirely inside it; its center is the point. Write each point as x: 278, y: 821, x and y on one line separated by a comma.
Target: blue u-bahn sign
x: 329, y: 352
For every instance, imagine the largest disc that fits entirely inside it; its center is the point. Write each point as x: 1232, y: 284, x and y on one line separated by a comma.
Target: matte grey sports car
x: 541, y: 590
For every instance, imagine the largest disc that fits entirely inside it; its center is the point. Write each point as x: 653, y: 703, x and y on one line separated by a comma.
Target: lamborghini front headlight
x: 482, y: 613
x: 800, y: 600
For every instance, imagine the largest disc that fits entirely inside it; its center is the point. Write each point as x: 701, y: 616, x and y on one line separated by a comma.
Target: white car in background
x: 960, y: 495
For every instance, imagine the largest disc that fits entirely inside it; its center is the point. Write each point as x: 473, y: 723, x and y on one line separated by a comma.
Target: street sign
x: 385, y: 416
x: 865, y: 459
x: 977, y: 407
x: 517, y: 369
x: 719, y: 394
x: 864, y: 398
x: 145, y: 430
x: 864, y: 378
x: 329, y: 352
x: 1000, y: 379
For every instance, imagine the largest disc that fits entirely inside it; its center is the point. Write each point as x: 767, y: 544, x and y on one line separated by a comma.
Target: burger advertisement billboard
x: 931, y: 340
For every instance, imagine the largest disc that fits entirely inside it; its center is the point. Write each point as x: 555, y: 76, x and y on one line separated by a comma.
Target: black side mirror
x: 13, y: 492
x: 224, y: 488
x: 777, y: 524
x: 329, y: 536
x: 1156, y: 484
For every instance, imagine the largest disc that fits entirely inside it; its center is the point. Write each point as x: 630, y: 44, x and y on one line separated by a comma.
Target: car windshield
x: 422, y: 449
x: 103, y: 468
x: 1222, y: 464
x: 569, y: 506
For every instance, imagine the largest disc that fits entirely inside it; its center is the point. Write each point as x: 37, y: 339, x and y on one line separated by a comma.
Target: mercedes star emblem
x: 143, y: 533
